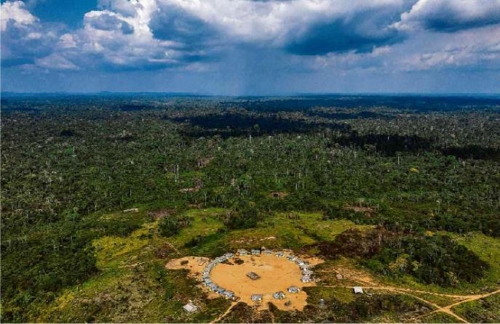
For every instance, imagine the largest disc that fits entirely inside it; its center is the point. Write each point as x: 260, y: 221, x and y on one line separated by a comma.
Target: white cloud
x: 123, y: 40
x: 24, y: 36
x: 475, y: 49
x: 276, y: 22
x: 16, y: 13
x: 324, y: 34
x: 66, y: 41
x: 451, y: 15
x: 55, y: 62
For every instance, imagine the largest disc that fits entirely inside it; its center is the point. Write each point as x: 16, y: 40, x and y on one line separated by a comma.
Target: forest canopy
x: 409, y: 166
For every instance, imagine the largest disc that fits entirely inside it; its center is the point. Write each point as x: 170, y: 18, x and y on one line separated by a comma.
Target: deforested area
x: 388, y: 205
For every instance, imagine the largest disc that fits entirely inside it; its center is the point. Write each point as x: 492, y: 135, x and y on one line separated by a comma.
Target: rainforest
x: 399, y: 195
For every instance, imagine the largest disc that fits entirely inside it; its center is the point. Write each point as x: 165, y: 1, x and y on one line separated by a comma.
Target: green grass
x: 279, y: 231
x: 485, y: 247
x: 437, y: 299
x: 343, y: 295
x: 112, y: 250
x: 207, y: 232
x: 133, y: 286
x: 488, y: 249
x: 486, y: 310
x: 204, y: 223
x: 438, y: 318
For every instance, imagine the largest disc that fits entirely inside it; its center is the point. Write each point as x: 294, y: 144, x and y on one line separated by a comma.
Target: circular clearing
x: 275, y: 274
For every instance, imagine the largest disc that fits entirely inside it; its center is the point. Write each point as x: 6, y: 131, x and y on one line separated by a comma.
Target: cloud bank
x: 209, y: 35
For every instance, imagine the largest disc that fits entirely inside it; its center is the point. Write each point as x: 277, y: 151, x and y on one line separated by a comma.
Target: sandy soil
x: 350, y: 274
x: 276, y: 274
x: 195, y: 265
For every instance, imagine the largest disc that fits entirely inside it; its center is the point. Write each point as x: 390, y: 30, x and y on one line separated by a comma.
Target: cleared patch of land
x: 276, y: 274
x: 194, y: 264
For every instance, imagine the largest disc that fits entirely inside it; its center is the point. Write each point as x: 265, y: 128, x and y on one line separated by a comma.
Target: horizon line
x: 292, y: 94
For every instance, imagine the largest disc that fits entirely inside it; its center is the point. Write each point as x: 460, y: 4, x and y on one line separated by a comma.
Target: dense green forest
x: 420, y: 171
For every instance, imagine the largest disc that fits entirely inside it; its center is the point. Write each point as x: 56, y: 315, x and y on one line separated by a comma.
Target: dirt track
x: 277, y: 274
x: 445, y: 309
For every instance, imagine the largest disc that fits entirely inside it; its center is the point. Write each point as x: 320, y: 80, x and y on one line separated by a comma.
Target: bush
x: 172, y: 225
x: 245, y: 218
x: 432, y: 260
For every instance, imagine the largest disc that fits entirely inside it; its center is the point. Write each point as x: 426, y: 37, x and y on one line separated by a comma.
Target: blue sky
x: 251, y: 47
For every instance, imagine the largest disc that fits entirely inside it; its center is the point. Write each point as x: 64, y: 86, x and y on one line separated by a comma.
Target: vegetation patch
x: 430, y: 259
x: 111, y: 249
x: 486, y: 310
x: 488, y: 250
x: 438, y: 317
x: 398, y: 190
x: 439, y: 300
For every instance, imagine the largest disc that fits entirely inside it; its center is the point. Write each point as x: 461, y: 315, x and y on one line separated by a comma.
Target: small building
x: 255, y: 252
x: 306, y: 279
x: 228, y: 294
x: 190, y: 307
x: 293, y: 289
x: 257, y: 297
x: 279, y: 295
x: 242, y: 252
x: 307, y: 272
x: 253, y: 276
x: 304, y: 265
x: 357, y: 290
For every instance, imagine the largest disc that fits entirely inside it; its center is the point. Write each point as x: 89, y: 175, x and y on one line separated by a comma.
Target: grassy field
x: 438, y: 318
x: 486, y: 310
x: 134, y: 286
x: 488, y: 249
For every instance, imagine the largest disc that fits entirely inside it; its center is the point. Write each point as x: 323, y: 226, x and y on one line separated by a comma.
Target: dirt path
x: 225, y: 313
x: 469, y: 298
x: 445, y: 309
x: 438, y: 308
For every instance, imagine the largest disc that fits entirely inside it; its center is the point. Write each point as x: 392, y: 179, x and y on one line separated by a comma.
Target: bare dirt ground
x: 276, y: 274
x: 195, y: 265
x: 351, y: 274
